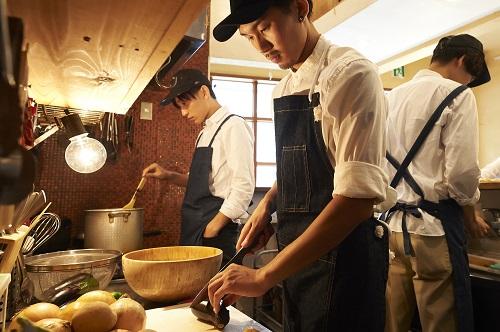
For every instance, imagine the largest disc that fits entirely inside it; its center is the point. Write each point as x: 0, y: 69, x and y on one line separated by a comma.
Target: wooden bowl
x: 169, y: 274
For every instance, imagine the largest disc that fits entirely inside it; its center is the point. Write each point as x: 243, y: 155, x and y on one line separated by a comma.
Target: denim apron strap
x: 402, y: 169
x: 451, y: 216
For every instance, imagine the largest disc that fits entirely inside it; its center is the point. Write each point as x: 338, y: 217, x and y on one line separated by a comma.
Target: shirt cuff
x: 232, y: 212
x: 356, y: 179
x: 467, y: 201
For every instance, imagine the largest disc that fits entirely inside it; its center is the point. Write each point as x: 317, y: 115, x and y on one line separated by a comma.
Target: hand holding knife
x: 205, y: 312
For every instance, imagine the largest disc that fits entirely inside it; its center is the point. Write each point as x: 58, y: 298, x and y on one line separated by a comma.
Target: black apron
x: 345, y: 289
x: 200, y: 206
x: 452, y: 219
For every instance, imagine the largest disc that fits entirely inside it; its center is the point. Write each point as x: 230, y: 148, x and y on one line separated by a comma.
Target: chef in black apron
x: 432, y: 154
x: 220, y: 182
x: 329, y: 114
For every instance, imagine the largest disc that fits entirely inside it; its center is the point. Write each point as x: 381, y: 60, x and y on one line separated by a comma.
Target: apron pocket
x: 295, y: 186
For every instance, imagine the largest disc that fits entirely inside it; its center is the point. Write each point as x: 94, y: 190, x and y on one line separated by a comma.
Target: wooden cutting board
x: 483, y: 264
x: 179, y: 318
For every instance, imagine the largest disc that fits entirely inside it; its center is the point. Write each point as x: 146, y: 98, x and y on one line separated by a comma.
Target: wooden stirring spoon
x: 130, y: 205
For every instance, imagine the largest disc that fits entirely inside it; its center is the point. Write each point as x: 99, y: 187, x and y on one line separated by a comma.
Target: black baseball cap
x: 242, y: 12
x: 183, y: 81
x: 468, y: 41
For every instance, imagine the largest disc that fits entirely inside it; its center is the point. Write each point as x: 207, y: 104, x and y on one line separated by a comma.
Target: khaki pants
x: 423, y: 281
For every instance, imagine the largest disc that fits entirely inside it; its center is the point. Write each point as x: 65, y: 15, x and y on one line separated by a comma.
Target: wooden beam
x: 322, y: 7
x: 343, y: 11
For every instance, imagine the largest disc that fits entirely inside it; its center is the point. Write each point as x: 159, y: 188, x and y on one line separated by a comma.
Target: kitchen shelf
x: 489, y: 185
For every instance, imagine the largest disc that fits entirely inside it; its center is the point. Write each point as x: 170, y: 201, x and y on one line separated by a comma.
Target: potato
x: 94, y: 317
x: 97, y: 295
x: 69, y: 310
x: 39, y: 311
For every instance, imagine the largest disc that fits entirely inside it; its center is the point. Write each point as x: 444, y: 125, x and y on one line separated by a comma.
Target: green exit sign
x: 399, y: 72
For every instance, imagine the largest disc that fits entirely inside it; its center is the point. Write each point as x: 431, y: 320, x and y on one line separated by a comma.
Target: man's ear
x: 303, y: 8
x: 461, y: 61
x: 205, y: 92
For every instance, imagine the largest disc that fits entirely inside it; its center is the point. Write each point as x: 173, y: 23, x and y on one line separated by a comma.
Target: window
x: 252, y: 100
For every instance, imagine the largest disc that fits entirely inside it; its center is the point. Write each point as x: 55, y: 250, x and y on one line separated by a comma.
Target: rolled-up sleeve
x: 239, y: 151
x: 356, y: 102
x: 460, y: 140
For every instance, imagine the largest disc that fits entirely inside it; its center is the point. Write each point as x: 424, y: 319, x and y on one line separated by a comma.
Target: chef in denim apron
x: 220, y: 182
x: 344, y: 289
x: 329, y: 126
x: 200, y: 206
x: 432, y: 154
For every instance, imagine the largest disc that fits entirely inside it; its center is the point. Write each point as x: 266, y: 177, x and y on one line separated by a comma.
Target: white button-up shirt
x: 352, y: 114
x: 232, y: 177
x: 492, y: 170
x: 447, y: 163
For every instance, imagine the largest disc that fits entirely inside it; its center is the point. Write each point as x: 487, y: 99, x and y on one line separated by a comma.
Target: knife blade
x: 236, y: 259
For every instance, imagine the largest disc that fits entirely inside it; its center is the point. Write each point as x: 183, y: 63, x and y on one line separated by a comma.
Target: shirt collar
x: 310, y: 66
x: 217, y: 117
x: 427, y: 72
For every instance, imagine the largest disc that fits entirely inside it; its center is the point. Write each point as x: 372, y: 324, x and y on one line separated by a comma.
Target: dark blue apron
x: 200, y: 206
x: 345, y: 289
x: 452, y: 219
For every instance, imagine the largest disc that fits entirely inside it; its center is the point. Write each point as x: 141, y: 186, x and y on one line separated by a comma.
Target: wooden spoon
x: 130, y: 205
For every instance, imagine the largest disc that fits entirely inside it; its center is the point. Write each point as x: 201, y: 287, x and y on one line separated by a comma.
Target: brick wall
x: 168, y: 139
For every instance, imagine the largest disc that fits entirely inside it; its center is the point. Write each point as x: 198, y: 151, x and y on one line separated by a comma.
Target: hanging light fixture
x: 83, y: 154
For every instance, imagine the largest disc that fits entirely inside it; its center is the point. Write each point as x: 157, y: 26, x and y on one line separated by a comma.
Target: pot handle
x: 113, y: 215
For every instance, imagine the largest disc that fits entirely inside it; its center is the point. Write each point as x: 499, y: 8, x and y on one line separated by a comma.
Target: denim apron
x: 452, y: 219
x: 344, y: 290
x: 200, y: 206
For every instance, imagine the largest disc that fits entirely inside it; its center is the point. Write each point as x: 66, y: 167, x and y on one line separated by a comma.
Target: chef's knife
x: 205, y: 312
x: 236, y: 259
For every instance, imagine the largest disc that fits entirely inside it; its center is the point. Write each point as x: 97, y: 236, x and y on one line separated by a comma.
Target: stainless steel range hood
x: 194, y: 38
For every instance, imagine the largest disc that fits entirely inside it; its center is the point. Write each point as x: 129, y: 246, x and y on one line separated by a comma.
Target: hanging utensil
x: 130, y: 205
x: 129, y: 122
x: 114, y: 138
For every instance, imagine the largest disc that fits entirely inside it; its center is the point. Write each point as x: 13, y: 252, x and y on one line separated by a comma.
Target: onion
x: 97, y: 296
x: 14, y: 325
x: 39, y: 311
x: 131, y: 315
x: 54, y: 325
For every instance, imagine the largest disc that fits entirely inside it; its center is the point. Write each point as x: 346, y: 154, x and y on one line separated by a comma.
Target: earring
x: 301, y: 19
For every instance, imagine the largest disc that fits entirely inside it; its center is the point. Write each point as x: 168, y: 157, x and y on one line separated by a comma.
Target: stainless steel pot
x: 115, y: 229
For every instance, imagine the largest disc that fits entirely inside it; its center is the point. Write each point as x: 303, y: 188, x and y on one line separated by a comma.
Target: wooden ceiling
x: 322, y: 7
x: 99, y: 55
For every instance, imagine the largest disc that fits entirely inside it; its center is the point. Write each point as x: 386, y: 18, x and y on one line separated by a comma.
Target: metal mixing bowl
x: 47, y: 270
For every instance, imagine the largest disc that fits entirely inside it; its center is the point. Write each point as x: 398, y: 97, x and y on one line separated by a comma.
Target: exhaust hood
x: 191, y: 42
